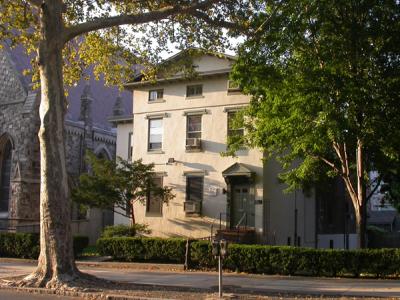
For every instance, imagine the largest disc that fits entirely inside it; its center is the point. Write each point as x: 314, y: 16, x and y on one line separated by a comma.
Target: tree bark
x: 361, y: 214
x: 133, y: 221
x: 357, y: 195
x: 56, y: 264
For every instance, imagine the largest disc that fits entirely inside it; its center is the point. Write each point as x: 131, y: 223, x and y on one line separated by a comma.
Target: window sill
x: 153, y: 215
x: 155, y: 152
x: 193, y: 215
x: 234, y: 92
x: 156, y: 101
x: 194, y: 97
x: 193, y: 150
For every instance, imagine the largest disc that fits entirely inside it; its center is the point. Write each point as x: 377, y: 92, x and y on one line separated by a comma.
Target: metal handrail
x: 244, y: 216
x: 220, y: 223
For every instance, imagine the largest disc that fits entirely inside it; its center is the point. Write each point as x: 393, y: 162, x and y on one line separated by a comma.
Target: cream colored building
x: 181, y: 126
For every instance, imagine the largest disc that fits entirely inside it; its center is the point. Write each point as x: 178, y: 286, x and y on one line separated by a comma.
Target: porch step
x: 239, y: 235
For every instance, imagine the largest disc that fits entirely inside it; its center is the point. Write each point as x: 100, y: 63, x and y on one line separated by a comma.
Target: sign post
x: 220, y: 250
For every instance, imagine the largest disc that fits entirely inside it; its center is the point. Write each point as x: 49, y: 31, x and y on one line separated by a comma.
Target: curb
x: 110, y: 264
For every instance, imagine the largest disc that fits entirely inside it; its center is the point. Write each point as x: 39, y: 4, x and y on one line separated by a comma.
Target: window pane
x: 154, y: 203
x: 194, y: 123
x: 155, y: 94
x: 194, y: 188
x: 232, y: 131
x: 155, y: 134
x: 130, y: 145
x: 194, y: 90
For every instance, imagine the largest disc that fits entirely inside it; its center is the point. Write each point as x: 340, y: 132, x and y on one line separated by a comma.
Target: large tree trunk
x: 56, y: 264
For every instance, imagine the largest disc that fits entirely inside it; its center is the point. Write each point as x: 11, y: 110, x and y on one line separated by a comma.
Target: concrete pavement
x: 7, y: 295
x: 240, y: 283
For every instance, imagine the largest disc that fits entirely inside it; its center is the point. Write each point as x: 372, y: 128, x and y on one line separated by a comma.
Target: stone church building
x: 86, y: 128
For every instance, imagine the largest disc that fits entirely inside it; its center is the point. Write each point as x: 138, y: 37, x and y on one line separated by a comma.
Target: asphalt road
x: 256, y: 283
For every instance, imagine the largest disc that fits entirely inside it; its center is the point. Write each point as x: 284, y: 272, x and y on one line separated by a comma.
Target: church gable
x: 11, y: 87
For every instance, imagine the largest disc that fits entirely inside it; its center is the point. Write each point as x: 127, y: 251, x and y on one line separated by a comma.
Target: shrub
x: 20, y: 245
x: 301, y: 261
x: 125, y: 230
x: 80, y: 243
x: 26, y: 245
x: 259, y: 258
x: 139, y: 249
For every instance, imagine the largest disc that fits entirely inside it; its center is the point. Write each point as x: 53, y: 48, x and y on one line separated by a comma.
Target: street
x: 263, y: 284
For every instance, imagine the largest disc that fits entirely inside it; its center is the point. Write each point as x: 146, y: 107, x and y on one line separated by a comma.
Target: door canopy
x: 238, y: 170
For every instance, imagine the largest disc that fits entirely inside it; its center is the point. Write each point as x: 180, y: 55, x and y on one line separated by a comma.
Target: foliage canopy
x: 325, y: 83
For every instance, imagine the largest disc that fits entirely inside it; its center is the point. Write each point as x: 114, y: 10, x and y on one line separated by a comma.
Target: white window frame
x: 149, y: 149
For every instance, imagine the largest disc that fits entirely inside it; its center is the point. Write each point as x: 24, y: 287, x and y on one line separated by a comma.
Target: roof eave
x: 131, y: 85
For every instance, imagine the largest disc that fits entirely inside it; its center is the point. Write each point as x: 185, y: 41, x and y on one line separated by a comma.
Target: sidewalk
x: 234, y: 283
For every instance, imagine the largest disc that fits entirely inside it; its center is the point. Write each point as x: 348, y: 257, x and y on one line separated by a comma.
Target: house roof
x: 194, y: 51
x: 121, y: 119
x: 381, y: 217
x: 190, y: 52
x: 180, y: 77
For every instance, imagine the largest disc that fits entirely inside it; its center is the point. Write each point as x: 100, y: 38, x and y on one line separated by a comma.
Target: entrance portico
x: 240, y: 196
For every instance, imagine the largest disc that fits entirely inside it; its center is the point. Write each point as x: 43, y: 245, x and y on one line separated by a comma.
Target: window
x: 193, y: 127
x: 233, y: 131
x: 155, y: 95
x: 194, y: 188
x: 194, y: 90
x: 155, y: 134
x: 233, y: 86
x: 154, y: 203
x: 130, y: 145
x: 5, y: 176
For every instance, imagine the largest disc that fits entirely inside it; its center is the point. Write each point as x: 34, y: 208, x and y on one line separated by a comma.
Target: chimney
x: 86, y: 105
x: 118, y: 109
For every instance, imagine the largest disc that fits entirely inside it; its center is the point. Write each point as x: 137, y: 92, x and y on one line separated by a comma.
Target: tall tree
x: 65, y: 36
x: 117, y: 185
x: 325, y: 83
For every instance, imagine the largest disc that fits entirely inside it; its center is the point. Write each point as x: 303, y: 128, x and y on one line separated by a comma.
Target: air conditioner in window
x: 193, y: 143
x: 192, y: 206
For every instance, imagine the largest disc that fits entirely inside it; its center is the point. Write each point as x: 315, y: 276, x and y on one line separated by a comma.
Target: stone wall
x: 19, y: 122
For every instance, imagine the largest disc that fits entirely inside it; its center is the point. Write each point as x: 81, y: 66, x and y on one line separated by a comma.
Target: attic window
x: 155, y: 95
x: 194, y: 90
x: 233, y: 86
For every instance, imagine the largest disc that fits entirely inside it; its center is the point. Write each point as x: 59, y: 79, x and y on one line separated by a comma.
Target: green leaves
x: 322, y: 73
x: 110, y: 184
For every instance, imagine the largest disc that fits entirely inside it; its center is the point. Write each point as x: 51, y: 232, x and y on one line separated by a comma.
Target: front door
x: 242, y: 206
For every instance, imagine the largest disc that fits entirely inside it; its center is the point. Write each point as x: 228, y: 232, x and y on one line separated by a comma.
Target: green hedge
x: 20, y: 245
x: 26, y: 245
x: 140, y: 249
x: 259, y: 259
x: 286, y: 260
x: 80, y: 243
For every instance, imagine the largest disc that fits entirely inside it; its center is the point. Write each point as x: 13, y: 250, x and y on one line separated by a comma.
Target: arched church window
x: 5, y: 176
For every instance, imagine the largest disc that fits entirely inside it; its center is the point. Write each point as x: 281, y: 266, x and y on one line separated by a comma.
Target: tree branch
x: 36, y: 3
x: 375, y: 188
x: 220, y: 23
x: 121, y: 214
x: 152, y: 16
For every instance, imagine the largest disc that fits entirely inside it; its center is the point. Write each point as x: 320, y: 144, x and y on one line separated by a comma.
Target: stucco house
x: 181, y: 125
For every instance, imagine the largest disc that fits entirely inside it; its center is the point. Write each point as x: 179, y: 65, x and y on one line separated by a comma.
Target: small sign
x: 213, y: 190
